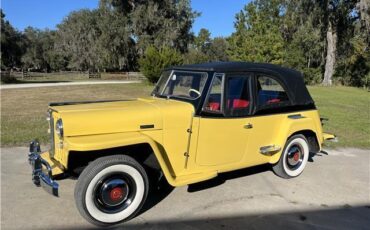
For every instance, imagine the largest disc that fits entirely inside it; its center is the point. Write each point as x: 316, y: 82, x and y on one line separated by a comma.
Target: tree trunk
x: 331, y: 37
x: 363, y: 7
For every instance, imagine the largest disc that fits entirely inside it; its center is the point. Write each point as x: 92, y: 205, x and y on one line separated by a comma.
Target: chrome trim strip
x: 82, y: 102
x: 52, y: 135
x: 270, y: 150
x: 296, y: 116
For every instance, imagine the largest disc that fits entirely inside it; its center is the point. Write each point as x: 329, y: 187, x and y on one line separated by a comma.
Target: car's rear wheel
x: 111, y: 189
x: 293, y: 158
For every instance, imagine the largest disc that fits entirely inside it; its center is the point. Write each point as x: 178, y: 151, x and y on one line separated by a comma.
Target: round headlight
x: 59, y: 128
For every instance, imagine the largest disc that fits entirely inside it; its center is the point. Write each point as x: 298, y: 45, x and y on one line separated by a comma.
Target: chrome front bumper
x: 39, y: 177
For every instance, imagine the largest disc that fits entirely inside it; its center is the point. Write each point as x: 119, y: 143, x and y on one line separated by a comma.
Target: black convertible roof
x: 291, y: 79
x: 233, y: 67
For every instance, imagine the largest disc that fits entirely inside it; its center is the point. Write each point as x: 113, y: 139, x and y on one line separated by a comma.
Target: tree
x: 324, y: 39
x: 217, y: 50
x: 206, y: 49
x: 155, y: 60
x: 12, y: 46
x: 54, y: 57
x: 304, y: 52
x: 353, y: 66
x: 116, y: 43
x: 258, y: 37
x: 114, y: 35
x: 157, y: 22
x: 336, y: 15
x: 77, y: 40
x: 203, y: 40
x: 194, y: 56
x: 39, y: 49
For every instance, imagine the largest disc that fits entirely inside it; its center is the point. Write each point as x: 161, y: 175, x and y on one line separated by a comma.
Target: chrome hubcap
x: 114, y: 193
x: 294, y: 156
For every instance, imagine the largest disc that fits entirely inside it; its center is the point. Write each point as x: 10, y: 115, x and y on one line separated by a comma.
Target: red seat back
x: 214, y: 106
x: 240, y: 103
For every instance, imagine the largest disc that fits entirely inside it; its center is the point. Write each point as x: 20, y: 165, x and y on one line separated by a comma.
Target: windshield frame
x: 161, y: 94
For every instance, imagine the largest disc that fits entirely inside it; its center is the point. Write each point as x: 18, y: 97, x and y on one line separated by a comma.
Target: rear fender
x: 291, y: 127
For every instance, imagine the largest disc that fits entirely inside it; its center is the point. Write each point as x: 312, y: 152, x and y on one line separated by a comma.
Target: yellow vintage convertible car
x: 201, y: 120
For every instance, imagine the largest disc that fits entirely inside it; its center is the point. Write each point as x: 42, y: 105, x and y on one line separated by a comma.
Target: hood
x: 89, y: 118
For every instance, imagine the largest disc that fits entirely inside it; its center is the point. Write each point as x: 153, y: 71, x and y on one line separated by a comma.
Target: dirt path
x: 33, y: 85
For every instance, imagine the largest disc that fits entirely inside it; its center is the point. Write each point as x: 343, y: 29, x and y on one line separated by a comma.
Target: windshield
x: 183, y: 84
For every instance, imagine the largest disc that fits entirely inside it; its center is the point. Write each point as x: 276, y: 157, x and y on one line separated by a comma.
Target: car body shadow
x: 339, y: 217
x: 160, y: 191
x: 223, y: 177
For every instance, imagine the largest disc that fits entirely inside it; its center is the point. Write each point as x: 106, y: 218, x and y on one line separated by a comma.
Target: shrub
x: 8, y: 79
x: 155, y: 60
x: 312, y: 76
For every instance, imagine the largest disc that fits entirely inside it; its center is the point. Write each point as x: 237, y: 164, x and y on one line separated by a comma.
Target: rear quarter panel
x: 310, y: 120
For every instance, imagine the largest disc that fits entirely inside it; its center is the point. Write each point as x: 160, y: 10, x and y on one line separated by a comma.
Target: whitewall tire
x: 111, y: 190
x: 294, y: 157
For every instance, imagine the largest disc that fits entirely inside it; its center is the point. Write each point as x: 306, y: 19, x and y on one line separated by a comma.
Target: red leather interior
x: 239, y: 103
x: 214, y: 106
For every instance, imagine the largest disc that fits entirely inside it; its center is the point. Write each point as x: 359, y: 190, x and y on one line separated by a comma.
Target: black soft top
x: 291, y: 79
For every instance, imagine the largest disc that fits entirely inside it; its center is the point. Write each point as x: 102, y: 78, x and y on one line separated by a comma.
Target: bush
x: 8, y: 79
x: 155, y: 60
x: 312, y: 76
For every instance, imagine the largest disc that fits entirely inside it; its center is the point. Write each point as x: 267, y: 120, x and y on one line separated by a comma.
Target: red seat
x: 237, y: 104
x: 240, y: 103
x: 214, y: 106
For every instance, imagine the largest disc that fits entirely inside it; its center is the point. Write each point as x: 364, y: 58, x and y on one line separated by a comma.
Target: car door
x: 224, y: 124
x: 270, y: 113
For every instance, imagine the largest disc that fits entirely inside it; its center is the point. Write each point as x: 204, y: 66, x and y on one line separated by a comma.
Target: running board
x: 194, y: 178
x: 270, y: 150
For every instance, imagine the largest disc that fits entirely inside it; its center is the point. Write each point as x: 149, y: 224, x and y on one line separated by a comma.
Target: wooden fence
x: 73, y: 75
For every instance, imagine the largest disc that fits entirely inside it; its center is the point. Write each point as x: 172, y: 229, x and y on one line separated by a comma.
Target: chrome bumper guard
x: 39, y: 178
x: 334, y: 139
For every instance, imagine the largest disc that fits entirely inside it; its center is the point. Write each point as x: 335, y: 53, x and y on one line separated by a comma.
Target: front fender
x: 113, y: 140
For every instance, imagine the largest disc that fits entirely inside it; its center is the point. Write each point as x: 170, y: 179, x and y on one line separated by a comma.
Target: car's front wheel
x: 293, y: 158
x: 111, y: 189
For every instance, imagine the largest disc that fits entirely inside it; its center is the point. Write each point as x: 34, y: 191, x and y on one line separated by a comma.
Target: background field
x: 23, y: 111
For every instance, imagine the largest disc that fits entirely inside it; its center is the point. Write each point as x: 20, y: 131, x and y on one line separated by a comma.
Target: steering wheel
x: 194, y: 91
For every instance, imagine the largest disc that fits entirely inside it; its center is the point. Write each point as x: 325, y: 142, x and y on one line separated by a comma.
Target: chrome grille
x: 52, y: 141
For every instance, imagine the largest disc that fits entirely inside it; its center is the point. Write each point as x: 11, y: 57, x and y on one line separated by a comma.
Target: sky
x: 216, y: 15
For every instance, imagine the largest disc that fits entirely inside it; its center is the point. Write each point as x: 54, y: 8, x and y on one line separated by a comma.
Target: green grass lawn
x: 348, y: 110
x: 23, y: 111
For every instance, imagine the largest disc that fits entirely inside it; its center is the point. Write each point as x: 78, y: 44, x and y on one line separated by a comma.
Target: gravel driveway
x: 332, y: 193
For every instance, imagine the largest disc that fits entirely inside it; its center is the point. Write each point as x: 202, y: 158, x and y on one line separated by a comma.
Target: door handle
x: 248, y: 126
